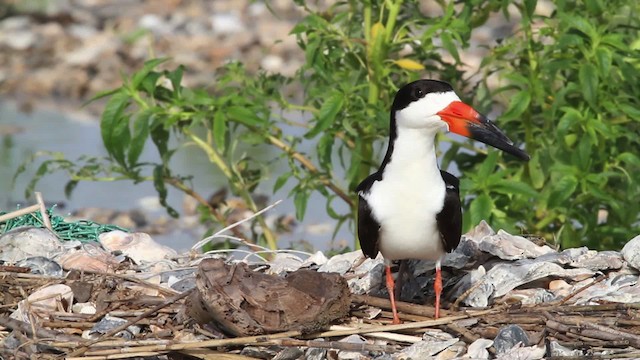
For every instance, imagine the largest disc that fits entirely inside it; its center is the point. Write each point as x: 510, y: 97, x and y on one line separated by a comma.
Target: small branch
x: 307, y: 164
x: 20, y: 212
x: 43, y: 211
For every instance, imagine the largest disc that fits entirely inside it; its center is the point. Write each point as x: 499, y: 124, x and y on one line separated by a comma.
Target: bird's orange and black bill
x: 466, y: 121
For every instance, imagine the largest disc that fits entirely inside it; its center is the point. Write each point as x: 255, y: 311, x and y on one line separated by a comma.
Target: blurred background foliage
x: 565, y: 84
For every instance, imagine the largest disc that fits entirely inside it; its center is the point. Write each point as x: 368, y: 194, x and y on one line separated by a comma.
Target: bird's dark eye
x: 419, y: 93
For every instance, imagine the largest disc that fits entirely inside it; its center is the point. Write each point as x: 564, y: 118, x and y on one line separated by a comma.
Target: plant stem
x: 307, y: 164
x: 216, y: 158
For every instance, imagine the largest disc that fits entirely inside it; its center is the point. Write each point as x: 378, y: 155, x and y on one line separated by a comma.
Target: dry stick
x: 631, y: 355
x: 466, y: 294
x: 153, y: 310
x: 402, y: 306
x: 249, y: 340
x: 43, y: 211
x: 306, y: 163
x: 335, y: 345
x: 20, y: 212
x: 385, y: 335
x: 413, y: 325
x: 583, y: 288
x: 117, y: 356
x: 32, y: 332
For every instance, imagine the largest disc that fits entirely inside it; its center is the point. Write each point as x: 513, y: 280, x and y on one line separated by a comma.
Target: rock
x: 23, y: 242
x: 523, y: 353
x: 511, y: 247
x: 42, y: 266
x: 140, y: 247
x: 433, y: 342
x: 508, y: 337
x: 41, y: 302
x: 89, y: 257
x: 631, y: 252
x: 478, y: 349
x: 341, y: 263
x: 226, y: 23
x: 108, y: 323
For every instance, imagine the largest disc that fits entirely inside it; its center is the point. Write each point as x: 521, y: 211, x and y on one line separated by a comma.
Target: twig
x: 117, y: 356
x: 249, y: 340
x: 402, y: 306
x: 583, y: 288
x: 200, y: 243
x: 346, y: 346
x: 34, y: 332
x: 43, y: 211
x: 153, y: 310
x: 465, y: 295
x: 413, y: 325
x: 20, y: 212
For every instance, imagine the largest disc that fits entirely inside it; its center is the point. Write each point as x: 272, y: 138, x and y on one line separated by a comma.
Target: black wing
x: 450, y: 217
x: 368, y: 227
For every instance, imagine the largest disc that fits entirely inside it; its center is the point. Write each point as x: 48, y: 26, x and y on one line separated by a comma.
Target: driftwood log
x: 243, y: 302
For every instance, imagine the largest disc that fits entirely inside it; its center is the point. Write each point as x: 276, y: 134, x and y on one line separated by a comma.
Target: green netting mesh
x: 82, y: 230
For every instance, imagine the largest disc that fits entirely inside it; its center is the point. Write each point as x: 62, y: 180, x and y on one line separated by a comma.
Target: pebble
x: 42, y: 266
x: 509, y: 337
x: 140, y: 247
x: 631, y: 252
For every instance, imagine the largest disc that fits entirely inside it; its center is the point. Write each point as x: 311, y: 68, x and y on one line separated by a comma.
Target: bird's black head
x: 431, y: 105
x: 416, y: 90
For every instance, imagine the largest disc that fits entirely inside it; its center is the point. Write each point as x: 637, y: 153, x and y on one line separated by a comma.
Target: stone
x: 508, y: 337
x: 23, y: 242
x: 631, y: 252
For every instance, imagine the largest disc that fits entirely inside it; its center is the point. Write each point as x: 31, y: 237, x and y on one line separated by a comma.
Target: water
x: 76, y: 134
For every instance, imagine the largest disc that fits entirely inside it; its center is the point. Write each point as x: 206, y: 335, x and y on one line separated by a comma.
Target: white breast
x: 408, y: 198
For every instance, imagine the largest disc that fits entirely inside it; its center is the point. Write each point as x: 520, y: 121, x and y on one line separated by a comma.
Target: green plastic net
x: 82, y: 230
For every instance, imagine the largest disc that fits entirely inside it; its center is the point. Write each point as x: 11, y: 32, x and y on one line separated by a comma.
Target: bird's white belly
x: 406, y: 208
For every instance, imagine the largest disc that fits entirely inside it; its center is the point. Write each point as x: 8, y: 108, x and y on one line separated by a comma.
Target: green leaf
x: 69, y: 187
x: 160, y: 137
x: 243, y: 115
x: 514, y: 187
x: 488, y: 165
x: 569, y: 120
x: 449, y: 45
x: 535, y: 172
x: 481, y: 208
x: 146, y: 69
x: 114, y: 127
x: 562, y: 190
x: 300, y: 201
x: 175, y: 77
x: 158, y: 183
x: 327, y: 114
x: 629, y: 159
x: 589, y: 82
x: 219, y: 130
x: 530, y: 7
x: 281, y: 180
x: 605, y: 59
x: 517, y: 106
x: 140, y: 135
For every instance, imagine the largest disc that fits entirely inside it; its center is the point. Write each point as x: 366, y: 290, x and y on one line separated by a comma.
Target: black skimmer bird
x: 409, y: 208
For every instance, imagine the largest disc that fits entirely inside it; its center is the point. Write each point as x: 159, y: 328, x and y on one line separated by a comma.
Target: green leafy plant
x: 569, y: 81
x: 566, y: 80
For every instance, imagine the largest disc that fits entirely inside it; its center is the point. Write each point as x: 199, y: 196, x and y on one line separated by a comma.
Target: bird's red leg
x: 390, y: 288
x: 437, y: 286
